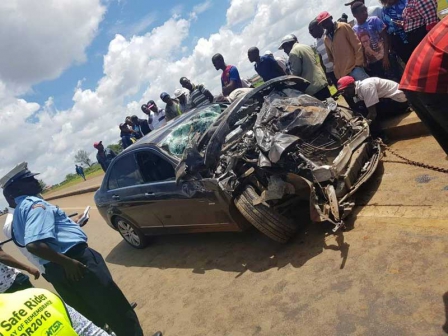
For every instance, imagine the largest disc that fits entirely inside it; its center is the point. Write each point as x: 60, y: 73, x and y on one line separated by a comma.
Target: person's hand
x: 34, y: 272
x: 386, y: 63
x: 399, y: 23
x: 74, y: 270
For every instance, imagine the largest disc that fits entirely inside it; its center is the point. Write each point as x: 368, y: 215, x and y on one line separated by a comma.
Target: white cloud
x: 202, y: 7
x: 136, y: 69
x: 40, y: 39
x: 240, y: 10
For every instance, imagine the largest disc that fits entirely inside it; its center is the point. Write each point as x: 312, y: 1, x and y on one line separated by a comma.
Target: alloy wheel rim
x: 128, y: 233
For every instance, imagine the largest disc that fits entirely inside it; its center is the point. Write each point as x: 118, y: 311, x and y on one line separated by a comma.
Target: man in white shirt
x: 378, y: 94
x: 156, y: 116
x: 11, y: 279
x: 317, y: 32
x: 7, y: 231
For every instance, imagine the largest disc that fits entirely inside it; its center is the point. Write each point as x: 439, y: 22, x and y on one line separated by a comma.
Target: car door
x: 125, y: 194
x: 184, y: 204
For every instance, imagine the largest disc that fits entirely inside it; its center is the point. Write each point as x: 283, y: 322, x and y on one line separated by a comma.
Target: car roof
x: 157, y: 136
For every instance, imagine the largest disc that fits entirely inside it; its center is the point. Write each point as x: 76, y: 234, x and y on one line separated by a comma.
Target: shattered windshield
x: 177, y: 140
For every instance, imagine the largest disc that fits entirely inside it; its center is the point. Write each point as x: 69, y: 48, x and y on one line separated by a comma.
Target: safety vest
x: 36, y: 312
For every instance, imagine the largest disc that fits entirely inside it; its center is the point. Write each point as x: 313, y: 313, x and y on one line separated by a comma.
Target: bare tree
x: 82, y: 157
x: 43, y: 185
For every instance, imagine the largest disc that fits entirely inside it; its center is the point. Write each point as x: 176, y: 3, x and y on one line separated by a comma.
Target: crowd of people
x: 365, y: 61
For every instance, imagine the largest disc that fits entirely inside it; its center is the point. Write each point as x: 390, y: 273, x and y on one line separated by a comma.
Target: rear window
x: 177, y: 140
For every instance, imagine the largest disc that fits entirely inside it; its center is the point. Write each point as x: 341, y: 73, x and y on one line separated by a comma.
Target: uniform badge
x: 38, y: 205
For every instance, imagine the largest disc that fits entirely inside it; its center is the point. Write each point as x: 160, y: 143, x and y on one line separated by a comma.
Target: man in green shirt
x: 172, y: 108
x: 303, y: 63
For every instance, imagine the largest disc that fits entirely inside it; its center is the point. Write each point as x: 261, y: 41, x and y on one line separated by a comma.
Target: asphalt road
x: 385, y: 275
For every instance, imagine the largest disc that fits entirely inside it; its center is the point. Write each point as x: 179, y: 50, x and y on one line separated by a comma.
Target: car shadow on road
x: 230, y: 252
x: 240, y: 252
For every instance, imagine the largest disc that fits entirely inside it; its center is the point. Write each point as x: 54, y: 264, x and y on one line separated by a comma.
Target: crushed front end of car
x: 286, y: 147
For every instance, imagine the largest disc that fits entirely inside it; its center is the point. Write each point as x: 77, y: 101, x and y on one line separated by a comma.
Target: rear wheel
x: 268, y: 221
x: 132, y: 235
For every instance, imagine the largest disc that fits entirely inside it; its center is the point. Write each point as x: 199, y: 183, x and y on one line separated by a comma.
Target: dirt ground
x: 385, y: 275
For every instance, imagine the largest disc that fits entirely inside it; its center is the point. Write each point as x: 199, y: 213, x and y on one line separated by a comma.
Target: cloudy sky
x: 70, y: 71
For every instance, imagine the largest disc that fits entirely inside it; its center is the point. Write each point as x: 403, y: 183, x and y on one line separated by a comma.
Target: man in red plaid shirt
x: 419, y: 16
x: 425, y: 82
x: 420, y: 13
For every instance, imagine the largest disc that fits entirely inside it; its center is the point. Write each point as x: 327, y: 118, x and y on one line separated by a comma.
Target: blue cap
x: 163, y: 95
x: 17, y: 173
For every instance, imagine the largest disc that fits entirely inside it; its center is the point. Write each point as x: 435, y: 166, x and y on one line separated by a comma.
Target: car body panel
x: 165, y: 206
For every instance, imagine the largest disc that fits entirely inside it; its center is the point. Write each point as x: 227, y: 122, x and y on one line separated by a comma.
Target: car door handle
x: 149, y: 193
x: 115, y: 197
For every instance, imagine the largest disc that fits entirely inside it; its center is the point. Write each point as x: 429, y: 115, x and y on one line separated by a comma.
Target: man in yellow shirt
x: 343, y: 48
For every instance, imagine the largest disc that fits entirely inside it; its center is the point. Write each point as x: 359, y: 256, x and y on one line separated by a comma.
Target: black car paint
x: 165, y: 206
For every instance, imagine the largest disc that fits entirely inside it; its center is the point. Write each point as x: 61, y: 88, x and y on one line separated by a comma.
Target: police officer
x: 77, y: 272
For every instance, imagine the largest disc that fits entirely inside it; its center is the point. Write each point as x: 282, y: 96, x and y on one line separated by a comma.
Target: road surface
x: 386, y: 275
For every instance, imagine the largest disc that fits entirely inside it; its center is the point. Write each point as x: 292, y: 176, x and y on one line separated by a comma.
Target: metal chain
x: 412, y: 162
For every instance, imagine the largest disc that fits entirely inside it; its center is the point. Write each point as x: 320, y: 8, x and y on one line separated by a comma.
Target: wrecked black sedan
x: 257, y: 161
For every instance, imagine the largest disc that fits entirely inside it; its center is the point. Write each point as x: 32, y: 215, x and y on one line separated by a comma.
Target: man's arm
x: 296, y: 64
x: 74, y: 270
x: 355, y: 44
x: 229, y: 88
x: 328, y: 49
x: 372, y: 113
x: 39, y: 228
x: 103, y: 167
x: 209, y: 95
x: 10, y: 261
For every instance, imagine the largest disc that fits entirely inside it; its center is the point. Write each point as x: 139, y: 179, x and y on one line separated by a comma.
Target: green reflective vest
x: 35, y: 312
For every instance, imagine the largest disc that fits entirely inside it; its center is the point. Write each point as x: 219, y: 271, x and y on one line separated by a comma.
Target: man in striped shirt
x: 199, y: 95
x: 425, y: 82
x: 317, y: 32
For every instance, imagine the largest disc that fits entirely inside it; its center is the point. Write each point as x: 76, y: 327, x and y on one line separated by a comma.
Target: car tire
x: 269, y: 222
x: 131, y: 235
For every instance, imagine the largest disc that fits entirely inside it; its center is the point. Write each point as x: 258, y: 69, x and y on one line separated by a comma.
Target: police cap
x: 19, y: 172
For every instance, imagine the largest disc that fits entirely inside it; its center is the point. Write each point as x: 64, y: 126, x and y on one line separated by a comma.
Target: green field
x: 73, y: 179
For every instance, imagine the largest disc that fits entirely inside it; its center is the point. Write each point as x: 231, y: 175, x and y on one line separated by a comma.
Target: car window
x: 154, y: 168
x: 176, y: 142
x: 124, y: 173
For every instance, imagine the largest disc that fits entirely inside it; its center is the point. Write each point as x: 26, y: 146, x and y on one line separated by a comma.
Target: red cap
x: 96, y: 144
x: 322, y: 17
x: 345, y: 81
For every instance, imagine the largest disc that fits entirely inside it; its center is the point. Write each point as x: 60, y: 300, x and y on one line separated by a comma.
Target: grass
x: 74, y: 181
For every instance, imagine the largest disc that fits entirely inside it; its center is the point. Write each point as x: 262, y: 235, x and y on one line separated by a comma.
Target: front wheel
x: 268, y: 221
x: 132, y: 235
